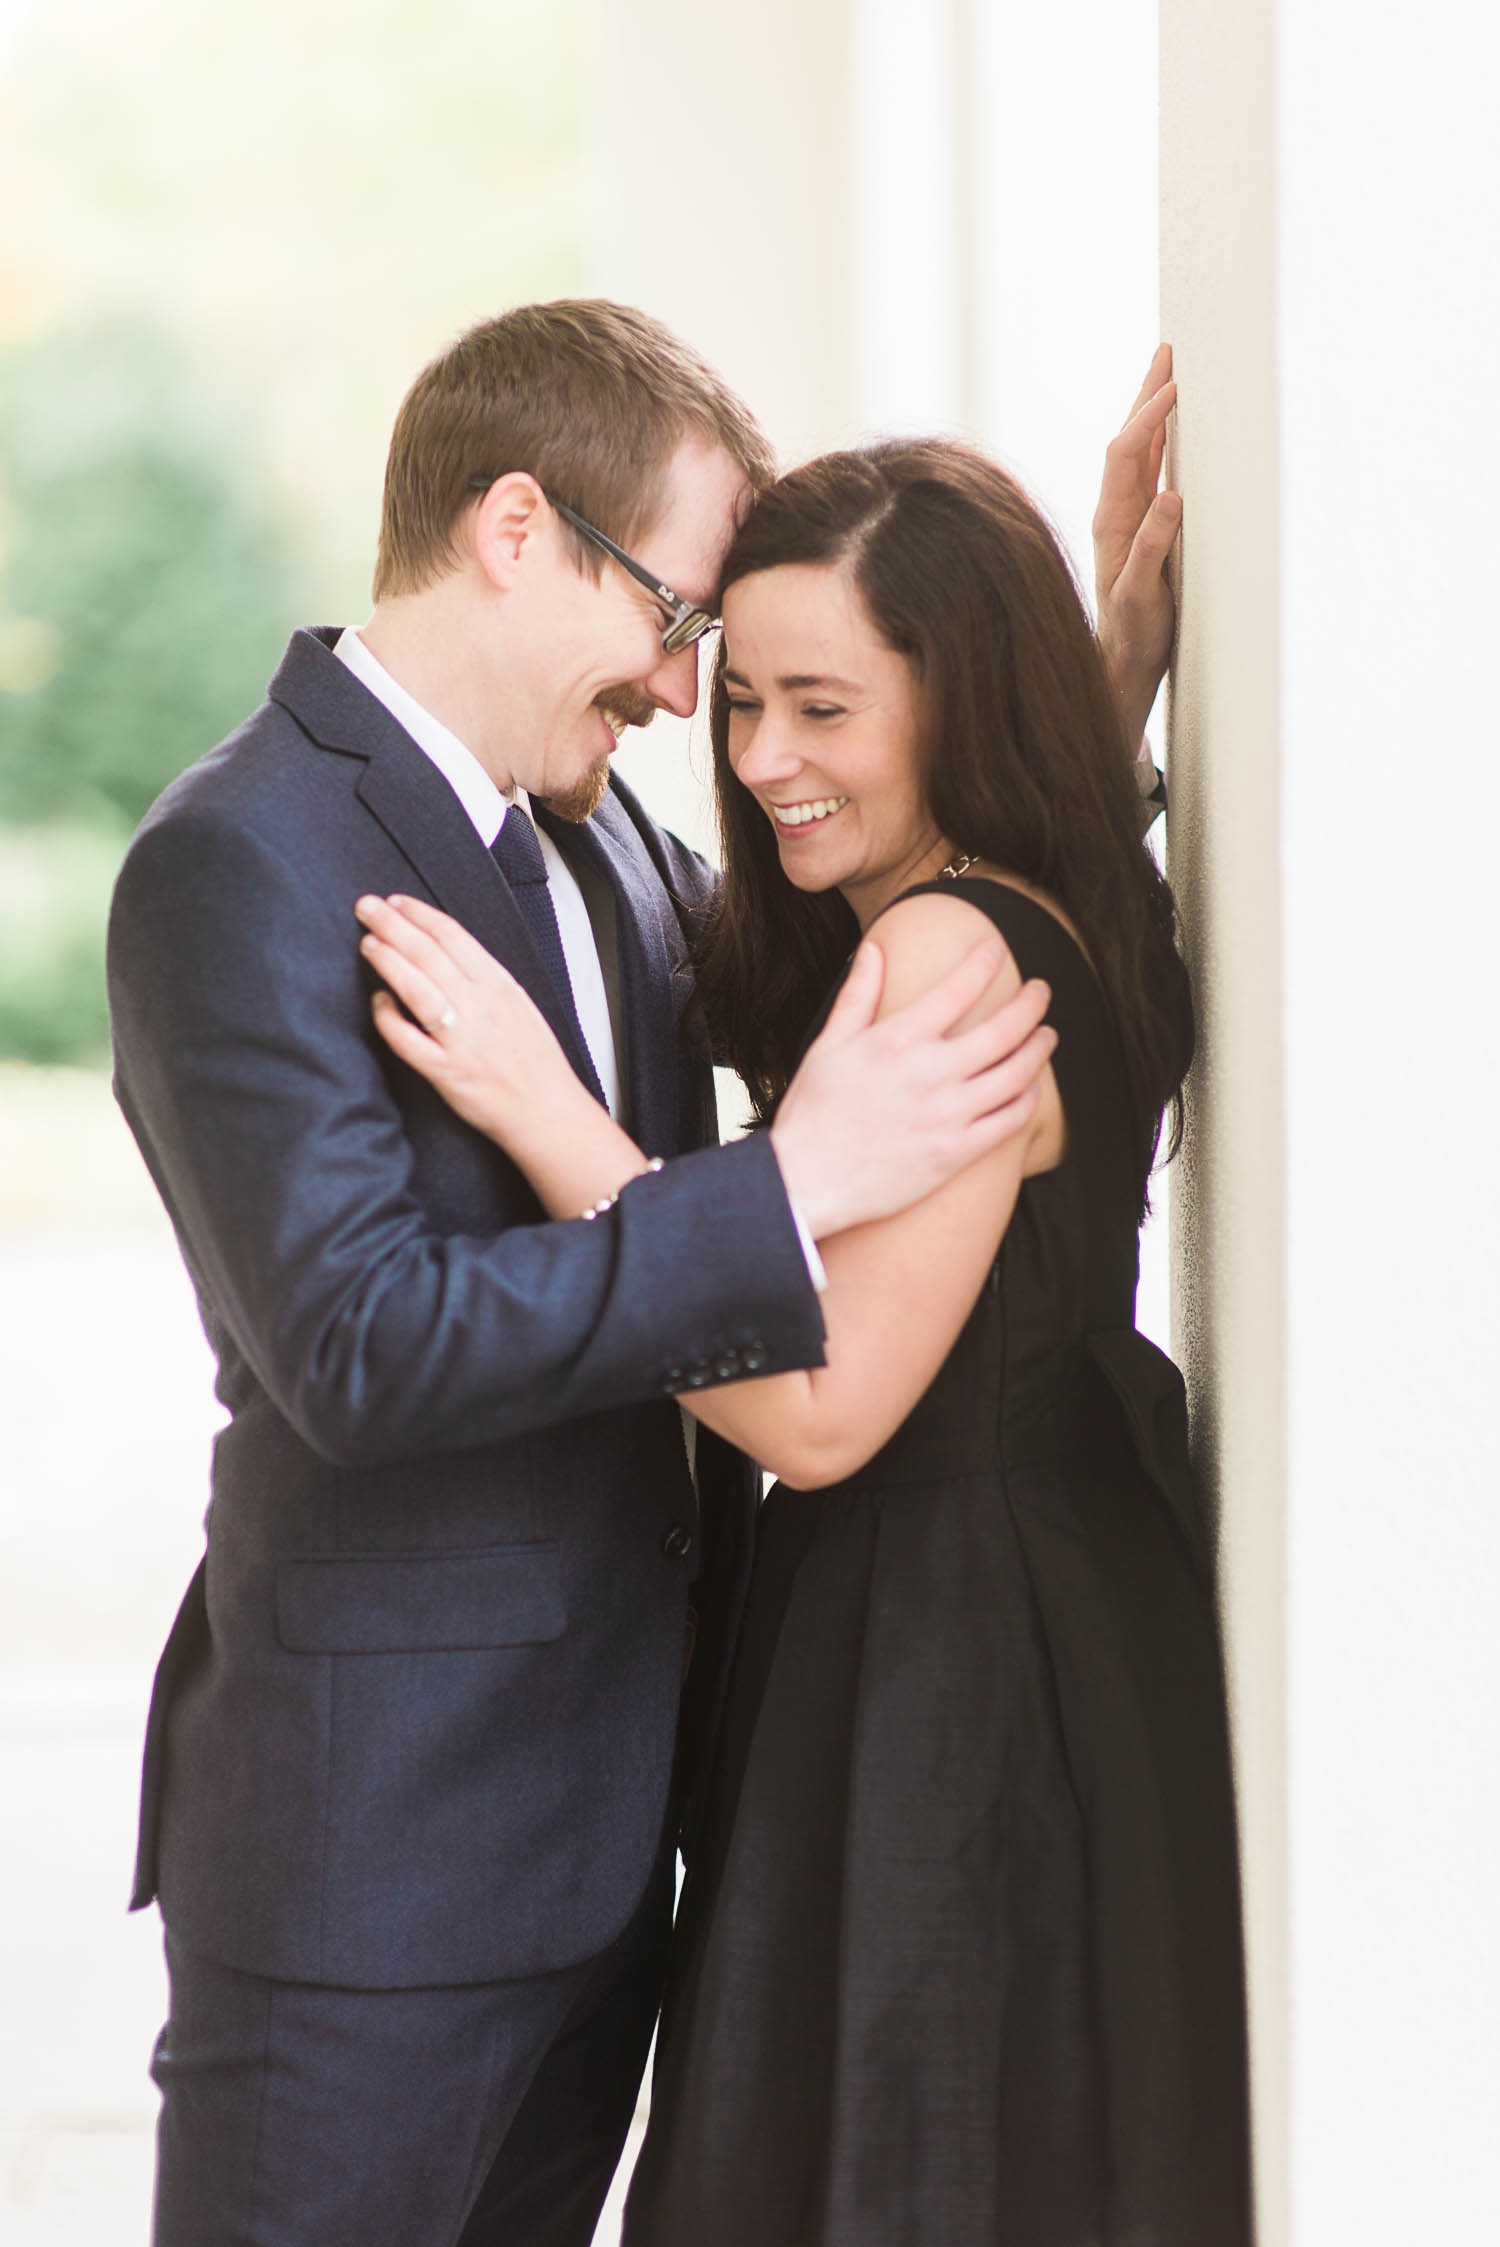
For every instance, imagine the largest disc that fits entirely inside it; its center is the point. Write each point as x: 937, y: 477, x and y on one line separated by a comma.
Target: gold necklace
x: 958, y: 864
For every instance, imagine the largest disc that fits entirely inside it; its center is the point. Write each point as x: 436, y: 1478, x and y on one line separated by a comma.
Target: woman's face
x: 825, y: 732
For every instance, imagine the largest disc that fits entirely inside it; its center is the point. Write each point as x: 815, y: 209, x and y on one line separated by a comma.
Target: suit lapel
x: 413, y: 803
x: 428, y: 824
x: 651, y: 952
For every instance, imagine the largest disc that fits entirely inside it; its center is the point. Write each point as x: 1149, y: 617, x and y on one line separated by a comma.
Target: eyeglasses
x: 689, y: 622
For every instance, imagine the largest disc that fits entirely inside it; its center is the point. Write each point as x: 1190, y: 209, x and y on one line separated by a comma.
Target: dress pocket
x: 1150, y: 1391
x: 500, y: 1595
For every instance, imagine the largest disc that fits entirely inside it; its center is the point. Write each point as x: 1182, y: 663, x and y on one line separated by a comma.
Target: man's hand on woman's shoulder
x: 887, y: 1107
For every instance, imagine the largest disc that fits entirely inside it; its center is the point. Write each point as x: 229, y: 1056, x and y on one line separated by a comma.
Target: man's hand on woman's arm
x: 884, y: 1111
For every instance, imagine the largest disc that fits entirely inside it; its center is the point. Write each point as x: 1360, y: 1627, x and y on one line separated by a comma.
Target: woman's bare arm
x: 898, y: 1291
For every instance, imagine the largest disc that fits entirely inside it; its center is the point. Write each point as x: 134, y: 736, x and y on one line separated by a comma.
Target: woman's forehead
x: 800, y: 620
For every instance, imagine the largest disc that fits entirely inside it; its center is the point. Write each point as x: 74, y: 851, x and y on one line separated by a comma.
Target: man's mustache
x: 629, y: 703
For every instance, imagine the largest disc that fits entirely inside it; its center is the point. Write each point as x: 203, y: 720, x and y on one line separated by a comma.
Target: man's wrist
x: 805, y: 1238
x: 815, y: 1267
x: 814, y: 1222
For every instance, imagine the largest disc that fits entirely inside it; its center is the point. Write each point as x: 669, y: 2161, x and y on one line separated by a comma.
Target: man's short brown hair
x: 591, y: 398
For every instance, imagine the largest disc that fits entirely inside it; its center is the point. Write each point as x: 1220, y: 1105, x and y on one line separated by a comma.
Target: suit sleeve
x: 247, y: 1068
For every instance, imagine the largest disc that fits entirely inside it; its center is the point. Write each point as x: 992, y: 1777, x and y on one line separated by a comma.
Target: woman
x: 959, y: 1954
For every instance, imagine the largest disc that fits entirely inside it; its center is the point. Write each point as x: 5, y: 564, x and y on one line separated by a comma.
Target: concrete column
x: 1329, y: 183
x: 1218, y: 292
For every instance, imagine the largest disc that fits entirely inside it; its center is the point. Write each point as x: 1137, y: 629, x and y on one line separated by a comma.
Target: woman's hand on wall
x: 1134, y: 526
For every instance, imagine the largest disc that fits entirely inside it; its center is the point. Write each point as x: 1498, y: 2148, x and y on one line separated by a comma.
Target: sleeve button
x: 755, y: 1357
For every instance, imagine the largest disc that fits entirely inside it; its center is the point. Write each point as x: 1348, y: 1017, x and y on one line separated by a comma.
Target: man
x: 408, y: 1801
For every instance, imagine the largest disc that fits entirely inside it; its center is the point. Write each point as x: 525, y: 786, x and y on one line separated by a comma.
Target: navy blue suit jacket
x: 415, y: 1723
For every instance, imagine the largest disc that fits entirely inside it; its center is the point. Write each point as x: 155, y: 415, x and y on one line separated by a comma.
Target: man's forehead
x: 707, y: 494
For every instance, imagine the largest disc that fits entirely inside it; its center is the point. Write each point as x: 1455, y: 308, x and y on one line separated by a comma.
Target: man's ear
x: 513, y: 514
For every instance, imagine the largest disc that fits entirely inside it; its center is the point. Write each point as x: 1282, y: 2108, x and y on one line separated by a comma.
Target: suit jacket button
x: 678, y: 1542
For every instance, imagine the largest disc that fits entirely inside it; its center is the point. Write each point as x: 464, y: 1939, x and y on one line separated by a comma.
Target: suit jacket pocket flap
x: 503, y: 1595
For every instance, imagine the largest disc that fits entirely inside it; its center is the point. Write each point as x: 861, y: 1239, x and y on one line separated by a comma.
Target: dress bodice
x: 1052, y: 1332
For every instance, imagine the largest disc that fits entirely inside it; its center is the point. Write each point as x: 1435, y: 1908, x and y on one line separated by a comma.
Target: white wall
x: 1329, y: 189
x: 1389, y: 338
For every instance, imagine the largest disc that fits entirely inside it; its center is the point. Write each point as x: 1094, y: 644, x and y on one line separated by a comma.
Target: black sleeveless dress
x: 959, y: 1949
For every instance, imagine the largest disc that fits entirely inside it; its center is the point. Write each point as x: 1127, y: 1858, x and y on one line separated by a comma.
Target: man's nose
x: 673, y: 685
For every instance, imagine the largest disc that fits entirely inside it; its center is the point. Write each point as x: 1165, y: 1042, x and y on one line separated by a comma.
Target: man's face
x: 604, y: 665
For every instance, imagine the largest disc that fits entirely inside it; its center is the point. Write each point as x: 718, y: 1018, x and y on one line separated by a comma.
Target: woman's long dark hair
x: 1026, y: 766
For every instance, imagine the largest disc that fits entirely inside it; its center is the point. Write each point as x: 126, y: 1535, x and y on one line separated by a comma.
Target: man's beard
x: 582, y: 800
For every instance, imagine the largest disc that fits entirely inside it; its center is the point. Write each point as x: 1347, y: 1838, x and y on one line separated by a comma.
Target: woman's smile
x: 809, y: 812
x: 825, y: 729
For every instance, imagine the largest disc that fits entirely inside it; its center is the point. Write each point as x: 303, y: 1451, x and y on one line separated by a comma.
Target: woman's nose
x: 767, y: 756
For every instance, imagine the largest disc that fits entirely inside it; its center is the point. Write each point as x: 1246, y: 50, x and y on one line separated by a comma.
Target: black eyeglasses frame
x: 689, y: 622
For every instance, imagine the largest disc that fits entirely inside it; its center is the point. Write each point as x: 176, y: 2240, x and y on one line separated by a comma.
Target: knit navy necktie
x: 518, y: 855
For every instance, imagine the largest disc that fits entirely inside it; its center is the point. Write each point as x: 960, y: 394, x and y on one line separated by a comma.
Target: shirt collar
x: 485, y: 804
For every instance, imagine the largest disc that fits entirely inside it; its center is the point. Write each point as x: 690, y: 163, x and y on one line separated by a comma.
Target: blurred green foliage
x: 227, y: 243
x: 54, y: 901
x: 145, y: 596
x: 314, y: 194
x: 145, y: 593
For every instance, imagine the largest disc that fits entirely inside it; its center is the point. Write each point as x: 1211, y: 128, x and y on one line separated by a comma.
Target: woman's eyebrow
x: 793, y: 682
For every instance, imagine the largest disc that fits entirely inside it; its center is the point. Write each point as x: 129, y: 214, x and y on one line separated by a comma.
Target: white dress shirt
x: 488, y: 809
